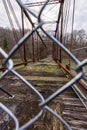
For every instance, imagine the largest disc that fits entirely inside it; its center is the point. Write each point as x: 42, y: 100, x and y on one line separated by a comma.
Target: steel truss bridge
x: 60, y: 23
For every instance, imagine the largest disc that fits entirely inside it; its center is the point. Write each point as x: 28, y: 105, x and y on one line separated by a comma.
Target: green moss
x: 7, y: 100
x: 43, y: 68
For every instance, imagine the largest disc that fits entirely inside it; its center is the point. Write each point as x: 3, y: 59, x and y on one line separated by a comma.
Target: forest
x: 76, y: 42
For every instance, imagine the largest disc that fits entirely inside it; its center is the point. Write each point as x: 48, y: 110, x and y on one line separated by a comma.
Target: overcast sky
x: 80, y: 14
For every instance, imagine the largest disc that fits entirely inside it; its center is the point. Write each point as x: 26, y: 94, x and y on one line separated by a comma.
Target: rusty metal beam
x: 24, y: 47
x: 16, y: 65
x: 33, y: 26
x: 33, y: 53
x: 10, y: 20
x: 42, y: 3
x: 61, y: 31
x: 15, y: 17
x: 80, y: 87
x: 71, y: 75
x: 55, y: 48
x: 58, y: 20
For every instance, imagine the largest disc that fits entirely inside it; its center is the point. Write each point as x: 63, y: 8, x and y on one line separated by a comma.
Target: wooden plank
x: 75, y: 115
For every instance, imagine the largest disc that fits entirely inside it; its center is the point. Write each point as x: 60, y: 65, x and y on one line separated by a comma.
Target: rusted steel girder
x: 10, y: 20
x: 33, y: 26
x: 59, y: 19
x: 16, y: 65
x: 24, y: 47
x: 71, y: 75
x: 42, y: 3
x: 82, y: 87
x: 13, y: 12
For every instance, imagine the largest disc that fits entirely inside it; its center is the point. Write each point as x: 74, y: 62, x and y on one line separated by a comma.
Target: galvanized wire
x: 8, y: 65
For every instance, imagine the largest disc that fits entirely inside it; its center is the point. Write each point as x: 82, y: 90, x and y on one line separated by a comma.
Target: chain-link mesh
x: 8, y: 65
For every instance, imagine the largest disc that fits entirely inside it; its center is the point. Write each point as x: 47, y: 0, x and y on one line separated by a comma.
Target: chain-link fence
x: 8, y: 67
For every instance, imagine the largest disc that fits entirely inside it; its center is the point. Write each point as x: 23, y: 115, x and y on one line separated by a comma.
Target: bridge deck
x: 47, y: 79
